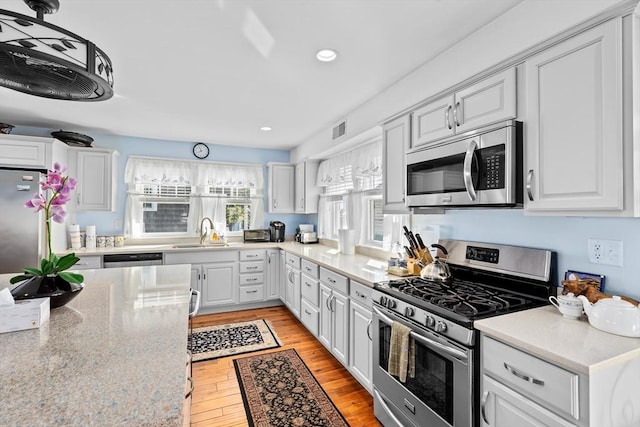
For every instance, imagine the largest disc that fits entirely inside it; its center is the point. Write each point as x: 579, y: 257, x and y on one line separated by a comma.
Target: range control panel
x: 477, y: 253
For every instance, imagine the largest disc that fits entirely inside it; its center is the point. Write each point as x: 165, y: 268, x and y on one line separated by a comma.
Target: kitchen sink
x: 198, y: 245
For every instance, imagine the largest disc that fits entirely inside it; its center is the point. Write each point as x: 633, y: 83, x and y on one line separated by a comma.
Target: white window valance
x: 145, y: 170
x: 359, y: 162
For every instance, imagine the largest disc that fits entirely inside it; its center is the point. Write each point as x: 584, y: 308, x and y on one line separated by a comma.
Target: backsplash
x: 565, y: 235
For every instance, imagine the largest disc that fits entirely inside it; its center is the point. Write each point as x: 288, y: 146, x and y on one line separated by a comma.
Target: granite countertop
x: 115, y: 355
x: 573, y: 344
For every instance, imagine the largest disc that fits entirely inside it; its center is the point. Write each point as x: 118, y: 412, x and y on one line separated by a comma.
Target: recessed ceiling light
x: 265, y: 128
x: 326, y: 55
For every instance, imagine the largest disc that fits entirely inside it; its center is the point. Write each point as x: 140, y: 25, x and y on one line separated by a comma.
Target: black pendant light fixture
x: 45, y: 60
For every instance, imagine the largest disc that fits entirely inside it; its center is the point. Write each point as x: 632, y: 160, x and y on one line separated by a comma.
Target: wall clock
x: 201, y: 150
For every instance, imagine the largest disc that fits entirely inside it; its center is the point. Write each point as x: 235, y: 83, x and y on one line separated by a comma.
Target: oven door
x: 479, y: 169
x: 440, y: 394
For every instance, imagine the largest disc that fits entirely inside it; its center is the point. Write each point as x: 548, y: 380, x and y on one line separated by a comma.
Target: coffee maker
x: 277, y: 231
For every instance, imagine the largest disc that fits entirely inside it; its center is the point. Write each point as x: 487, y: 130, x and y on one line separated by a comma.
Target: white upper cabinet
x: 96, y: 174
x: 306, y: 191
x: 574, y: 141
x: 281, y: 187
x: 31, y: 152
x: 395, y: 143
x: 490, y: 100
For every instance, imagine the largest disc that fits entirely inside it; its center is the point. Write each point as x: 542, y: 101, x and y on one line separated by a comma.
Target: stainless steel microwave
x: 479, y: 168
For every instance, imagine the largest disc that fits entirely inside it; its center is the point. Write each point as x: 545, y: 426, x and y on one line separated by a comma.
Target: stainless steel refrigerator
x: 21, y: 229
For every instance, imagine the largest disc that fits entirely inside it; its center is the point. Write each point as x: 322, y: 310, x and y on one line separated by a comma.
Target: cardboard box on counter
x: 24, y: 314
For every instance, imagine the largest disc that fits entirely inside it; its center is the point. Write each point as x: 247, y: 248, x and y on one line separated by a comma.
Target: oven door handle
x: 466, y: 170
x: 426, y: 341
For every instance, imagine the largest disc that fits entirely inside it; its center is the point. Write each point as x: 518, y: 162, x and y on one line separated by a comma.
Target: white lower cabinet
x: 519, y: 389
x: 215, y: 274
x: 334, y: 314
x: 503, y: 407
x: 360, y: 349
x: 310, y: 297
x: 272, y: 276
x: 292, y: 291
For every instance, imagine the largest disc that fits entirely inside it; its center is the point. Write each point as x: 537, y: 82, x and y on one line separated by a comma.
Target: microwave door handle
x: 466, y: 171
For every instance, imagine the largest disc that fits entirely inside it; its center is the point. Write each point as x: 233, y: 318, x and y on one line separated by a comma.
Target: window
x: 352, y: 198
x: 170, y: 197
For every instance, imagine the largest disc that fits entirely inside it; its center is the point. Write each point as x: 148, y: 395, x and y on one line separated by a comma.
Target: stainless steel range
x: 487, y: 280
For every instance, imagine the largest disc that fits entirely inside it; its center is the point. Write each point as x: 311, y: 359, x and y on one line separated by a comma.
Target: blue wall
x: 126, y: 146
x: 566, y: 235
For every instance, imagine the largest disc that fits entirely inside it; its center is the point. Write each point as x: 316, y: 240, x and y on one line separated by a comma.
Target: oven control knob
x: 383, y: 300
x: 409, y: 311
x: 430, y: 321
x: 441, y: 326
x: 391, y: 303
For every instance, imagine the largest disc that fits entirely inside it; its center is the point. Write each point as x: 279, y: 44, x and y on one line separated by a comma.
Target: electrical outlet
x: 607, y: 252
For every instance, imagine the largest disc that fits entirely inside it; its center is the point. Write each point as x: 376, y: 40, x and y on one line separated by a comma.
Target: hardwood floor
x: 216, y: 397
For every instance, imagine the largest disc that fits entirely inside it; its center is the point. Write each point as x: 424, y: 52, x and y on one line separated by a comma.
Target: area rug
x: 212, y: 342
x: 279, y: 390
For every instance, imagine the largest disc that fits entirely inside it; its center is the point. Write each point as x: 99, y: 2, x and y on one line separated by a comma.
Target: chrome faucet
x: 203, y: 232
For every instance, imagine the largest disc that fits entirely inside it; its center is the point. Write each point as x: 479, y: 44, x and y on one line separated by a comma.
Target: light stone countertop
x: 115, y: 355
x: 573, y: 344
x: 353, y: 266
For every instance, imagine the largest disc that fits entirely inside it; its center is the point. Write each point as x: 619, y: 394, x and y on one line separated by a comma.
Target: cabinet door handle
x: 528, y: 186
x: 308, y: 284
x: 522, y: 376
x: 252, y: 268
x: 275, y: 205
x: 307, y: 311
x: 456, y: 117
x: 252, y: 279
x: 253, y: 291
x: 191, y: 387
x: 369, y: 329
x: 483, y: 405
x: 251, y: 255
x: 328, y: 301
x: 447, y: 117
x: 269, y: 259
x: 331, y: 280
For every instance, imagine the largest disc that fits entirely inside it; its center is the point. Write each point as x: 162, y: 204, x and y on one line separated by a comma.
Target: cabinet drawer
x: 360, y: 293
x: 310, y: 269
x: 252, y: 293
x: 542, y: 381
x: 309, y: 316
x: 251, y: 279
x: 251, y: 267
x: 292, y: 260
x: 87, y: 262
x: 334, y: 280
x: 252, y: 255
x: 310, y: 290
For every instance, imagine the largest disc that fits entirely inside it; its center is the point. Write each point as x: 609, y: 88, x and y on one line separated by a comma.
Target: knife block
x: 412, y: 267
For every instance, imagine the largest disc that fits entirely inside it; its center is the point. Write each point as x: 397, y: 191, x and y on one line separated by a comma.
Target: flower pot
x: 56, y: 288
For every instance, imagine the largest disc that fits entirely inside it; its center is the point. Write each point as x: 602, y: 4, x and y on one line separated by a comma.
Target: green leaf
x: 33, y: 271
x: 66, y: 262
x: 20, y: 278
x: 72, y: 277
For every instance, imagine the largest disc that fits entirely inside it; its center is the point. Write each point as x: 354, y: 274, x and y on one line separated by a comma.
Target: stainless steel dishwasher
x: 131, y: 260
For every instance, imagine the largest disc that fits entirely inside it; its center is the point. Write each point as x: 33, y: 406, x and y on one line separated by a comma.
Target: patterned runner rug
x: 279, y: 390
x: 212, y: 342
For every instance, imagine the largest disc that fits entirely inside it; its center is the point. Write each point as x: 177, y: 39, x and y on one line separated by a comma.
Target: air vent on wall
x: 339, y: 130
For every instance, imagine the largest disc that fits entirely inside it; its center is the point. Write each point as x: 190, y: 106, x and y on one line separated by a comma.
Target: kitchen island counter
x: 115, y: 355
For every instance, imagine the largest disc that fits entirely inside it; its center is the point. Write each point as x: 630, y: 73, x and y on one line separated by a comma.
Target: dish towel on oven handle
x: 401, y: 352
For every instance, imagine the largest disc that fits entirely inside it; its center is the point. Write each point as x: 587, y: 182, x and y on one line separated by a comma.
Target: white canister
x: 346, y: 241
x: 90, y: 237
x: 74, y: 236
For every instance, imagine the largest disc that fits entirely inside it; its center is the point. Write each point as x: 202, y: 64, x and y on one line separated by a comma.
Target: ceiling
x: 218, y: 70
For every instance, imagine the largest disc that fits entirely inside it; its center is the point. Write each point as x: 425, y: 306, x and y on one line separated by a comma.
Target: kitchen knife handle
x: 420, y: 242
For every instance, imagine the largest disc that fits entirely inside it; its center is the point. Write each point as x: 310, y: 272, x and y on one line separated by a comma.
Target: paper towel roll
x: 74, y: 236
x: 90, y: 237
x: 346, y: 241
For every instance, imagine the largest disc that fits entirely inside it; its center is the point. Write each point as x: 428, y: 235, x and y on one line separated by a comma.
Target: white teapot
x: 613, y: 315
